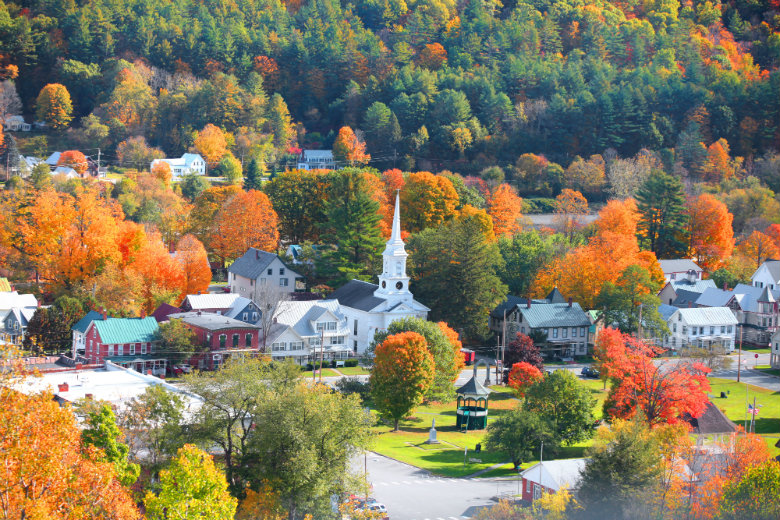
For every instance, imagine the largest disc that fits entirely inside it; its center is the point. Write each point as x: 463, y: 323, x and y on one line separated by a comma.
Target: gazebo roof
x: 473, y: 388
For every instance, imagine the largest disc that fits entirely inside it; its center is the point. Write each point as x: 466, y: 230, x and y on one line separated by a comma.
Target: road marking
x: 396, y: 483
x: 406, y: 482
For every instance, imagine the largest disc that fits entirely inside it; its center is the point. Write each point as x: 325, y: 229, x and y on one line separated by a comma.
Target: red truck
x: 469, y: 356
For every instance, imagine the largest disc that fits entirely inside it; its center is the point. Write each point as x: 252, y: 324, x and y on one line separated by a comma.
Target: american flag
x: 752, y: 410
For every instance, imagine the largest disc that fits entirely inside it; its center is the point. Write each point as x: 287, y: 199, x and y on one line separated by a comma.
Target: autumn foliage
x: 428, y: 200
x: 349, y: 149
x: 522, y: 376
x: 194, y: 262
x: 505, y: 208
x: 245, y: 220
x: 211, y: 144
x: 73, y: 159
x: 711, y: 232
x: 46, y: 470
x: 403, y: 372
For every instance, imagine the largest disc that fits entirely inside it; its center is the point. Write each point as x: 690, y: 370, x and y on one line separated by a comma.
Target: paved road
x: 413, y: 494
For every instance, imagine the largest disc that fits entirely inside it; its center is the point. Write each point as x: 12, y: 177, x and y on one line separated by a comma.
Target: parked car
x: 183, y: 368
x: 590, y: 372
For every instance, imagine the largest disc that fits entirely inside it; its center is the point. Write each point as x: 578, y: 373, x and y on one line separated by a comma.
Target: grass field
x: 353, y: 371
x: 768, y: 370
x: 326, y: 372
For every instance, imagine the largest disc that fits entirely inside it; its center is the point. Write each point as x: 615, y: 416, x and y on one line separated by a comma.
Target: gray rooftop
x: 698, y: 286
x: 357, y: 295
x: 473, y: 388
x: 209, y: 321
x: 253, y: 264
x: 678, y: 265
x: 685, y: 298
x: 541, y: 315
x: 508, y: 305
x: 666, y: 311
x: 82, y: 325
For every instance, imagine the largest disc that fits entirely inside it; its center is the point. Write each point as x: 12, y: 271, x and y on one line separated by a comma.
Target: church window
x: 398, y: 268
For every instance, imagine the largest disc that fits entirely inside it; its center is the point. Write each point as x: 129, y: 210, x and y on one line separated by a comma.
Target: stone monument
x: 432, y: 434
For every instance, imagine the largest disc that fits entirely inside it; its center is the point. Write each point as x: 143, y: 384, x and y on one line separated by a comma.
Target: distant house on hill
x: 187, y: 164
x: 316, y: 160
x: 16, y: 124
x: 256, y: 271
x: 682, y: 268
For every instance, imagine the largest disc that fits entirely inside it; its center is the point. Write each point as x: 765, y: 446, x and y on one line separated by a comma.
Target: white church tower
x: 393, y: 282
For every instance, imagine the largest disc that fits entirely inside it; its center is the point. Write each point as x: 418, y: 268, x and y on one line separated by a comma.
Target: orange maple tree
x: 570, y: 205
x: 505, y: 208
x: 454, y: 340
x: 711, y: 232
x: 773, y: 232
x: 349, y: 149
x: 246, y: 220
x: 432, y: 56
x: 162, y: 171
x: 211, y: 144
x: 194, y: 262
x: 428, y: 200
x: 522, y: 376
x: 46, y: 471
x: 756, y: 248
x: 619, y: 216
x: 73, y: 159
x: 162, y: 275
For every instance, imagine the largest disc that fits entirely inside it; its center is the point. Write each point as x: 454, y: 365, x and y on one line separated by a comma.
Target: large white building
x: 702, y: 327
x: 370, y: 307
x: 187, y: 164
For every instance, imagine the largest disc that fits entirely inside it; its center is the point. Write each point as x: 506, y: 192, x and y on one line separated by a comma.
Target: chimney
x: 88, y: 396
x: 63, y: 387
x: 725, y: 286
x: 105, y: 315
x: 257, y: 254
x: 570, y: 302
x: 690, y: 304
x: 143, y: 314
x: 199, y: 292
x: 528, y: 303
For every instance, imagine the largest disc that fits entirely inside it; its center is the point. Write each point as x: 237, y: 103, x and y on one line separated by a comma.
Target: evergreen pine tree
x: 662, y: 228
x: 12, y: 151
x: 252, y: 179
x: 352, y: 229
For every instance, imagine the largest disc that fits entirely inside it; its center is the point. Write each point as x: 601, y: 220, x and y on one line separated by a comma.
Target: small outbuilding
x: 472, y: 410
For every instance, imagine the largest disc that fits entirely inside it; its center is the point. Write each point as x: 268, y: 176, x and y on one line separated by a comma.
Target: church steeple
x: 393, y: 282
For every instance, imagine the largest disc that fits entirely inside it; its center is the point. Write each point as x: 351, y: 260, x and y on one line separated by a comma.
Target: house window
x: 337, y: 340
x: 674, y: 327
x: 685, y: 330
x: 222, y: 340
x: 254, y: 316
x: 270, y: 272
x: 143, y: 348
x: 712, y: 330
x: 132, y: 349
x: 528, y: 486
x: 672, y: 276
x: 355, y: 329
x: 283, y: 282
x: 296, y: 345
x: 151, y: 348
x: 279, y: 347
x: 245, y: 316
x: 729, y: 329
x: 522, y: 330
x: 248, y: 340
x: 331, y: 325
x: 555, y: 332
x: 235, y: 340
x: 583, y: 331
x: 354, y: 345
x: 281, y: 271
x: 111, y: 350
x: 565, y: 332
x: 722, y: 329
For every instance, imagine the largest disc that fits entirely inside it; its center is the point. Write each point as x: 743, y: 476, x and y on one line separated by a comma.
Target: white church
x: 369, y: 307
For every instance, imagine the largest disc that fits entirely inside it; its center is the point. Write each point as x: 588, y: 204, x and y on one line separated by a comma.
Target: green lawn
x: 326, y: 372
x: 353, y: 371
x: 768, y: 370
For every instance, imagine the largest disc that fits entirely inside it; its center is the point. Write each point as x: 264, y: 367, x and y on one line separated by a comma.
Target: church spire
x: 395, y: 237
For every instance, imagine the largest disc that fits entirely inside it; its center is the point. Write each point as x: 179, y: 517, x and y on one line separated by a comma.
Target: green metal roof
x: 555, y: 315
x: 126, y: 330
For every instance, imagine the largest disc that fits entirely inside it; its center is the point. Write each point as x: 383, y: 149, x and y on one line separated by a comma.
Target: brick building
x: 128, y: 342
x: 222, y: 336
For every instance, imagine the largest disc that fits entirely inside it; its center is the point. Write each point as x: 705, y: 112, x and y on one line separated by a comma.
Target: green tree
x: 155, y: 421
x: 54, y: 106
x: 519, y: 433
x: 352, y: 229
x: 192, y: 487
x: 230, y: 168
x: 298, y: 197
x: 41, y: 176
x: 621, y: 472
x: 178, y: 342
x: 443, y: 351
x: 252, y: 180
x: 49, y: 329
x: 193, y: 185
x: 564, y: 401
x: 305, y: 441
x: 524, y: 254
x: 280, y: 121
x: 661, y: 228
x: 623, y: 301
x: 100, y: 430
x: 464, y: 288
x: 12, y: 156
x: 402, y: 374
x: 756, y: 496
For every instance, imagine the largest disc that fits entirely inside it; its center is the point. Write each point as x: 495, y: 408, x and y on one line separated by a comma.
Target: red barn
x: 550, y: 476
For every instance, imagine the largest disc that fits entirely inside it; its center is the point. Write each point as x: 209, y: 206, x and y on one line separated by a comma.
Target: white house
x: 306, y: 330
x: 701, y: 327
x: 16, y: 124
x: 187, y: 164
x: 67, y: 171
x: 256, y: 272
x: 767, y: 275
x: 550, y: 476
x: 372, y: 307
x: 774, y: 354
x: 16, y: 311
x: 679, y: 269
x: 755, y: 308
x: 316, y: 160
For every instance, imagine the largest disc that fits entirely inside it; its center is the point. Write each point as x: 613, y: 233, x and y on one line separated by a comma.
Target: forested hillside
x: 432, y: 84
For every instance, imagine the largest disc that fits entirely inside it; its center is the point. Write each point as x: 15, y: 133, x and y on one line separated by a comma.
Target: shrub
x: 352, y: 362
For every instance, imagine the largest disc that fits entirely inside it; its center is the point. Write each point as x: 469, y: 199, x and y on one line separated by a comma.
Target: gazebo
x: 472, y: 405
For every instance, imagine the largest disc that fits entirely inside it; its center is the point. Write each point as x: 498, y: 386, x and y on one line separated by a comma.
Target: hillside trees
x: 54, y: 106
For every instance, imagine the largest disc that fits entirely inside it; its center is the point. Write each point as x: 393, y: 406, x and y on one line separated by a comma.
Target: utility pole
x: 503, y: 347
x: 498, y: 345
x: 322, y: 341
x: 739, y: 358
x: 98, y: 163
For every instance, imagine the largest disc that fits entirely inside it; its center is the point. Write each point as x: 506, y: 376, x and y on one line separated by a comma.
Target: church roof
x: 555, y: 296
x: 357, y: 295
